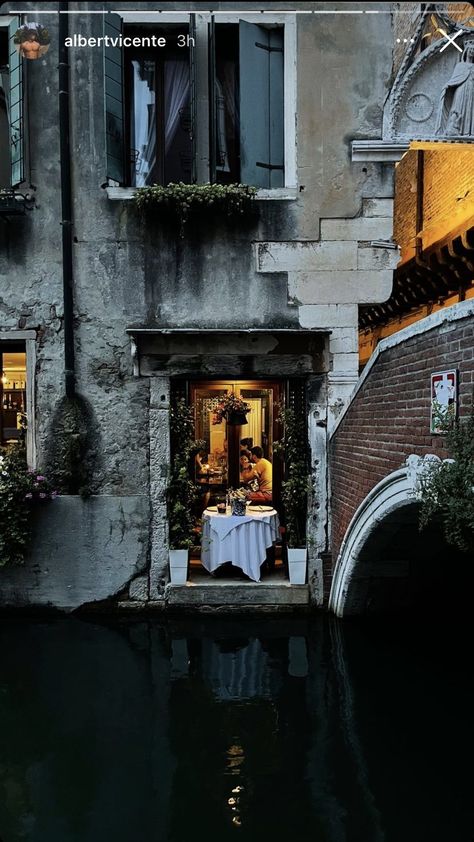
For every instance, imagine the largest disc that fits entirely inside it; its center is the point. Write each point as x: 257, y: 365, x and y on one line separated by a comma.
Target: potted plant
x: 182, y: 492
x: 233, y: 409
x: 295, y: 488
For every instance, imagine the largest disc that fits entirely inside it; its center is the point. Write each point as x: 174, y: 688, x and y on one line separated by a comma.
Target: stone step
x: 238, y: 595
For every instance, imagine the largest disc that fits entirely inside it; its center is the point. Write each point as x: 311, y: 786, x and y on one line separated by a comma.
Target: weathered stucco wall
x: 82, y: 551
x: 131, y: 274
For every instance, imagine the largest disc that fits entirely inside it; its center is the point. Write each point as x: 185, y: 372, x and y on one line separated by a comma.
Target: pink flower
x: 40, y: 479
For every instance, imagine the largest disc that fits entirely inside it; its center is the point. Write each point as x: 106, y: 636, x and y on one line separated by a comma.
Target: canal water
x: 276, y: 729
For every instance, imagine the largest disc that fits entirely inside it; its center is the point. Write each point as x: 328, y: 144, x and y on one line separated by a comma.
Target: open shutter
x: 15, y: 107
x: 192, y: 95
x: 212, y: 102
x: 114, y: 105
x: 261, y: 105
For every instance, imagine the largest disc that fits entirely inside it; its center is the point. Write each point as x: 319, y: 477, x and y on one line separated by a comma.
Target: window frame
x: 5, y: 21
x: 28, y: 337
x: 288, y: 23
x: 159, y: 59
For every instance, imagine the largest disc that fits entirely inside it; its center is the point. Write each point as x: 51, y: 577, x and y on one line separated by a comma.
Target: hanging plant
x: 231, y: 408
x: 182, y: 201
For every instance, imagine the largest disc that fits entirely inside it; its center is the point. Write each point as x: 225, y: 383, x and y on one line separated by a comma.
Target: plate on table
x: 260, y: 508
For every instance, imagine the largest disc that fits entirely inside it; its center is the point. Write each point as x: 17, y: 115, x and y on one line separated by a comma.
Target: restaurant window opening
x: 12, y: 392
x: 228, y: 457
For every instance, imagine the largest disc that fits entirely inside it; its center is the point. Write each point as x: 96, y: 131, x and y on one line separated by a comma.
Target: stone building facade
x: 268, y: 299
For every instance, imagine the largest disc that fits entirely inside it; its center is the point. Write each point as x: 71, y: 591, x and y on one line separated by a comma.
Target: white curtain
x: 253, y: 428
x: 225, y: 105
x: 176, y: 97
x: 144, y: 121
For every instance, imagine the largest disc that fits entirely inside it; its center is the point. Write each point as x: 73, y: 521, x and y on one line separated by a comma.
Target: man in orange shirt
x: 263, y: 471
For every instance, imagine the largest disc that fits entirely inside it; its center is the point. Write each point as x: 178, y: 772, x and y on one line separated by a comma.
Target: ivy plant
x: 179, y: 202
x: 299, y: 478
x: 182, y: 492
x: 446, y: 489
x: 20, y: 490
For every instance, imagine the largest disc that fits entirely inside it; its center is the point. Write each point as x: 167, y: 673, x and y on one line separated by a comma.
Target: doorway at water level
x: 219, y: 465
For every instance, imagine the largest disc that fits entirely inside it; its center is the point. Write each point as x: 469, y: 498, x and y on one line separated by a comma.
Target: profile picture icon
x: 32, y: 40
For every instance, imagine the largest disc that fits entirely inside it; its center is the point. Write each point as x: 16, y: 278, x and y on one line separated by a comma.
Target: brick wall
x: 390, y: 415
x: 448, y: 195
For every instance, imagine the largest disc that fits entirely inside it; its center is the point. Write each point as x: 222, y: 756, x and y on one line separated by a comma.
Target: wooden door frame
x: 280, y: 386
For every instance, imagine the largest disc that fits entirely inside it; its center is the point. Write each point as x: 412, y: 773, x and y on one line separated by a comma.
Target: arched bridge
x: 380, y: 559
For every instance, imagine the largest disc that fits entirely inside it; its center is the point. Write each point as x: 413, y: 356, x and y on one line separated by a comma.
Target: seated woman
x: 246, y: 469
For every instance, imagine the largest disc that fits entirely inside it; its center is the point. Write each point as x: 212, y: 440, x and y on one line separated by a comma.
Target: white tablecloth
x: 241, y: 540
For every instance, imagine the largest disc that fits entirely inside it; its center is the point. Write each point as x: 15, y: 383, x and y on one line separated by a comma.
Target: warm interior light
x: 4, y: 378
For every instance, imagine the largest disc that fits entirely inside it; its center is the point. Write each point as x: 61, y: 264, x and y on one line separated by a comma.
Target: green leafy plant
x: 181, y: 201
x: 446, y: 489
x: 442, y: 417
x: 182, y: 492
x: 20, y: 490
x: 298, y: 483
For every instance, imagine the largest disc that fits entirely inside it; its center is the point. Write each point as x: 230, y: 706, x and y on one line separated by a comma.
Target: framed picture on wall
x: 444, y: 400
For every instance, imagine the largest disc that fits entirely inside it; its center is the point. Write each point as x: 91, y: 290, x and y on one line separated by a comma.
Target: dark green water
x: 238, y: 730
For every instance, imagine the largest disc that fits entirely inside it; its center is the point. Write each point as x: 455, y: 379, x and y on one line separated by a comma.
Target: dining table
x: 242, y: 540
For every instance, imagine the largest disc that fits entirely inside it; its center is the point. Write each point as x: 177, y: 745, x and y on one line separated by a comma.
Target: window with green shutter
x: 113, y: 96
x: 155, y: 131
x: 11, y: 107
x: 15, y: 107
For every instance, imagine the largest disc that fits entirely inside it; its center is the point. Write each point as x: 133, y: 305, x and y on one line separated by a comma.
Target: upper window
x: 157, y: 107
x: 11, y: 106
x: 156, y: 133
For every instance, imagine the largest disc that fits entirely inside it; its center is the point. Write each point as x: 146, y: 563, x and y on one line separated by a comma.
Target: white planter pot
x: 297, y: 565
x: 178, y: 567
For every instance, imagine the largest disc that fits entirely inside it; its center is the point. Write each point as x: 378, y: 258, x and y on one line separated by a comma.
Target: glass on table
x: 221, y: 506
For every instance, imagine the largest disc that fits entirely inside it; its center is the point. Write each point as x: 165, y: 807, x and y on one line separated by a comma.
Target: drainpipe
x: 66, y: 205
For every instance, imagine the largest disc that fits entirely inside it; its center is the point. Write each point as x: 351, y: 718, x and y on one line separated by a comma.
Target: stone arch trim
x: 395, y: 491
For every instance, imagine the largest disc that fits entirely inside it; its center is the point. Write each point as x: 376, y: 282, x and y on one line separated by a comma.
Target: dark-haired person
x: 263, y: 471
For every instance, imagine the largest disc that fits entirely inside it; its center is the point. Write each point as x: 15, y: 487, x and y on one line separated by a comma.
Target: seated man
x: 262, y: 470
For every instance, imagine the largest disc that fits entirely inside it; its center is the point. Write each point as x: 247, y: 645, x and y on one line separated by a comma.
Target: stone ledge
x: 241, y: 595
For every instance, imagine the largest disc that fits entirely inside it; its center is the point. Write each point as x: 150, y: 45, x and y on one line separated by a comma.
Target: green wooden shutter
x: 114, y: 97
x: 261, y: 105
x: 192, y: 97
x: 15, y: 107
x: 212, y: 102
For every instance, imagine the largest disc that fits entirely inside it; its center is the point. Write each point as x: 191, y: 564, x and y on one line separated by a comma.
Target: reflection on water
x: 233, y: 730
